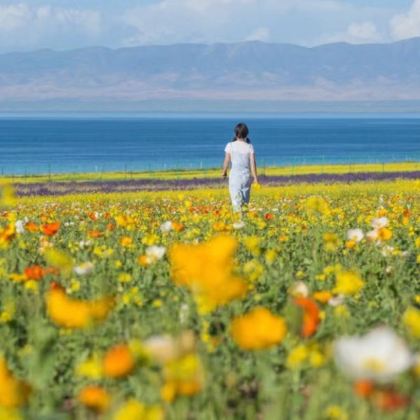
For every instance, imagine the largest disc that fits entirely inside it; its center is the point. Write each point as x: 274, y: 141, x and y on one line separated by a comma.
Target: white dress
x: 240, y: 174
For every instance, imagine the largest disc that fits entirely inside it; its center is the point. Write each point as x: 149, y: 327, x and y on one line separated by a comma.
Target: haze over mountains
x: 241, y: 72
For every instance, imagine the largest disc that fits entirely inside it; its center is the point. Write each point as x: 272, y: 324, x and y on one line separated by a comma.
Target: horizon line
x: 209, y: 44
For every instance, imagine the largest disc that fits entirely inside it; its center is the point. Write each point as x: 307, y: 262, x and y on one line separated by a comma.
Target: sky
x: 69, y: 24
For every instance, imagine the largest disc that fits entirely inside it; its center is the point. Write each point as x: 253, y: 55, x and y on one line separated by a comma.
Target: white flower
x: 239, y: 225
x: 20, y: 226
x: 336, y: 300
x: 380, y: 222
x: 372, y: 235
x: 184, y: 313
x: 299, y: 289
x: 355, y: 235
x: 387, y: 250
x: 155, y: 252
x: 166, y: 227
x: 162, y: 348
x: 380, y: 355
x: 83, y: 269
x: 84, y: 244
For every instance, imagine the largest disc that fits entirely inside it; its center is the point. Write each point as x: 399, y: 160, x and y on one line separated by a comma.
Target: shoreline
x: 213, y: 173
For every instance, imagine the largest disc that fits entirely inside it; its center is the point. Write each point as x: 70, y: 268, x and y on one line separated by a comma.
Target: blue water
x: 42, y: 145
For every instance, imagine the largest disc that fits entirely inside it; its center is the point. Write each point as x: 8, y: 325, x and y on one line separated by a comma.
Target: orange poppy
x: 118, y: 361
x: 311, y: 317
x: 50, y: 229
x: 95, y: 234
x: 269, y: 216
x: 31, y: 227
x: 34, y: 272
x: 363, y: 388
x: 390, y: 400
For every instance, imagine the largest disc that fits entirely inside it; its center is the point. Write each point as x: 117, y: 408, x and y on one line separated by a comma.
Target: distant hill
x: 248, y: 71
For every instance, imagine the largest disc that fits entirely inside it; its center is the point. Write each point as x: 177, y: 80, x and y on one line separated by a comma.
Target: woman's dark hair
x: 241, y: 132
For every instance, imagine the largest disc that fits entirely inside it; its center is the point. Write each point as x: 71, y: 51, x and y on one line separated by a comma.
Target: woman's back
x: 240, y: 153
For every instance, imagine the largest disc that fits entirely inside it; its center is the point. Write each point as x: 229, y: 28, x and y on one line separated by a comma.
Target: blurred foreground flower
x: 411, y: 320
x: 7, y: 195
x: 380, y: 355
x: 73, y: 313
x: 13, y: 392
x: 311, y: 317
x: 60, y: 260
x: 258, y: 329
x: 206, y: 269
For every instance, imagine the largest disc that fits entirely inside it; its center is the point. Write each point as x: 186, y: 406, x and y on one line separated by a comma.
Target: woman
x: 241, y: 154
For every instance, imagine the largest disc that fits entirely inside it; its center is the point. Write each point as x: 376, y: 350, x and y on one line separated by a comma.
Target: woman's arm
x: 226, y: 165
x: 254, y: 168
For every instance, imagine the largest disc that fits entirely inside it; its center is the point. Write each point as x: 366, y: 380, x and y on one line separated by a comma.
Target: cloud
x: 407, y: 25
x: 363, y: 32
x: 172, y: 21
x: 356, y: 33
x: 259, y: 34
x: 22, y: 25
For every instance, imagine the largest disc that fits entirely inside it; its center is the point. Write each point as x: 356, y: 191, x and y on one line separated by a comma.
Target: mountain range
x: 247, y: 72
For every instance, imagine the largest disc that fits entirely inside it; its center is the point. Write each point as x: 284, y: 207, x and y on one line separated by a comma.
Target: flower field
x: 165, y: 305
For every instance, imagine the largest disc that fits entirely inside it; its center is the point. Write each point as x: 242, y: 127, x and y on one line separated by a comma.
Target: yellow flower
x: 90, y: 368
x: 7, y: 196
x: 132, y: 296
x: 126, y: 242
x: 253, y: 269
x: 8, y: 312
x: 125, y: 277
x: 252, y: 244
x: 331, y: 242
x: 10, y: 414
x: 297, y: 357
x: 258, y: 329
x: 384, y: 234
x: 206, y: 269
x: 341, y: 311
x: 135, y: 410
x: 7, y: 234
x: 348, y: 283
x: 411, y: 319
x: 150, y: 240
x: 183, y: 376
x: 270, y: 256
x: 13, y: 392
x: 316, y: 204
x: 73, y: 313
x: 335, y: 412
x: 60, y: 260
